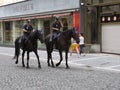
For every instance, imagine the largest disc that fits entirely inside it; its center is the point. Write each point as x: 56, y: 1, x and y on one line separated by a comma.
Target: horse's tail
x: 17, y: 48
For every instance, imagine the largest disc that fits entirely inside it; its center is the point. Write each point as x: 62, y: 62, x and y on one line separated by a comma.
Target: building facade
x: 103, y: 24
x: 41, y: 13
x: 100, y: 20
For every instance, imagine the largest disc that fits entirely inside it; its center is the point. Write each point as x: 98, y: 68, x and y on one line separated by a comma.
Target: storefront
x: 110, y: 28
x: 15, y: 16
x: 102, y: 27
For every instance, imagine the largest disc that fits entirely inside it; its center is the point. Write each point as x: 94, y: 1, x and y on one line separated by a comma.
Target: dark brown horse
x: 63, y: 44
x: 29, y: 45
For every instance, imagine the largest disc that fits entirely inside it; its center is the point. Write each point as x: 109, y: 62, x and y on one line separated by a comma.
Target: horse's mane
x: 62, y: 33
x: 66, y: 31
x: 32, y: 34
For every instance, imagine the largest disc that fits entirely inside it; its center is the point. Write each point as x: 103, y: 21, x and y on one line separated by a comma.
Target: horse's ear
x: 41, y: 31
x: 75, y: 30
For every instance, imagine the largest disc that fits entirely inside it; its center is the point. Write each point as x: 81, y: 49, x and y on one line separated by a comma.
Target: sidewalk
x: 102, y: 61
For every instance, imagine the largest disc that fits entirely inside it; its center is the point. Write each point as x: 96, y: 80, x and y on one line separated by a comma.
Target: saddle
x: 22, y: 39
x: 53, y: 39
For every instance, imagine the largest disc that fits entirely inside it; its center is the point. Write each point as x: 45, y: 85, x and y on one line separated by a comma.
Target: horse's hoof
x: 48, y: 65
x: 57, y: 64
x: 67, y: 67
x: 16, y: 62
x: 53, y: 66
x: 39, y: 67
x: 27, y: 67
x: 23, y: 65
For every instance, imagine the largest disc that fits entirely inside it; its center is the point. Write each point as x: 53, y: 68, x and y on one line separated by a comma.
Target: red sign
x: 76, y: 21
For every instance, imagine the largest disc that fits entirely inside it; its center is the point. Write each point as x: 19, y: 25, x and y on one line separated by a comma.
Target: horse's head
x: 40, y: 35
x: 75, y: 35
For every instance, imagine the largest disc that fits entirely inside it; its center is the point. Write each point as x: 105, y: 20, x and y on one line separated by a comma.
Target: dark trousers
x: 54, y: 37
x: 82, y: 48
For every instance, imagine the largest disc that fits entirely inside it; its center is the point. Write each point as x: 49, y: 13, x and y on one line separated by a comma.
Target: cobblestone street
x: 78, y: 77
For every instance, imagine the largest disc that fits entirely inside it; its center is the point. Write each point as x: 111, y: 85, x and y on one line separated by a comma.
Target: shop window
x: 46, y: 25
x: 34, y: 23
x: 7, y: 32
x: 65, y: 24
x: 18, y: 28
x: 7, y: 25
x: 19, y: 24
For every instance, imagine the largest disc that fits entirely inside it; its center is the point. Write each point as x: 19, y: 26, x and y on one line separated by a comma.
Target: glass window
x: 34, y: 23
x: 7, y: 32
x: 18, y: 28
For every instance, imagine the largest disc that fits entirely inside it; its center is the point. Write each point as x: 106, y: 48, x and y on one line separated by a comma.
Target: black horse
x: 63, y: 43
x: 30, y: 44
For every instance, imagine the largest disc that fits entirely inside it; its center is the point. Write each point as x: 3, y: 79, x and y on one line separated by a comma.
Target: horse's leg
x: 49, y: 55
x: 61, y: 58
x: 23, y: 58
x: 66, y: 57
x: 39, y: 65
x: 27, y: 59
x: 16, y: 62
x: 17, y: 51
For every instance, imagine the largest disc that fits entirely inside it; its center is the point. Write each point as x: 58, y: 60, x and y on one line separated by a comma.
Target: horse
x: 29, y: 45
x: 63, y: 44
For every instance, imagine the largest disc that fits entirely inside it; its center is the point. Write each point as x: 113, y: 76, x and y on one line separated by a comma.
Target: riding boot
x: 23, y: 41
x: 51, y: 38
x: 20, y: 40
x: 55, y: 43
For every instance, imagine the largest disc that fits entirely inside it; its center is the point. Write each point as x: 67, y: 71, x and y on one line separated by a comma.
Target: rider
x: 56, y: 28
x: 27, y: 29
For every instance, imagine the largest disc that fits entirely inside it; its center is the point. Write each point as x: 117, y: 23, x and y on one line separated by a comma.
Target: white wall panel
x: 111, y: 38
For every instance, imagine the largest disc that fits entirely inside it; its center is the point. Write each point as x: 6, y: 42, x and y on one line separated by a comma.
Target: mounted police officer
x: 56, y: 26
x: 27, y: 29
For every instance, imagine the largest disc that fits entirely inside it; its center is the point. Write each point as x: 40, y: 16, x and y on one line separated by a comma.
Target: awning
x: 11, y: 19
x: 62, y: 14
x: 26, y: 18
x: 36, y: 17
x: 43, y: 16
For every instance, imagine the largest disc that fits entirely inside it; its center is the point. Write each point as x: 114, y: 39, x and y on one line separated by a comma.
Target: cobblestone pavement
x: 83, y: 74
